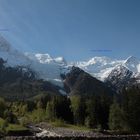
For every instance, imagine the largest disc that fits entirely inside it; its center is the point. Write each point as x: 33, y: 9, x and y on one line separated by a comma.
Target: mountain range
x: 111, y: 72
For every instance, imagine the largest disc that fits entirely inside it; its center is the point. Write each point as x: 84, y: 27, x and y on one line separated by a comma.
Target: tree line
x: 118, y: 113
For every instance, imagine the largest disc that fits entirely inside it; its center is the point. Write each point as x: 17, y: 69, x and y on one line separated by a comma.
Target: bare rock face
x: 78, y: 81
x: 119, y: 77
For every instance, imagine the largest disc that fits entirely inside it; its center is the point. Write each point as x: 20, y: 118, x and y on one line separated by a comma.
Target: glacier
x: 50, y: 68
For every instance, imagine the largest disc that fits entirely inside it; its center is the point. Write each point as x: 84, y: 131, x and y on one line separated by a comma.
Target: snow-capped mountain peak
x: 102, y: 60
x: 43, y: 58
x: 46, y: 58
x: 99, y: 67
x: 60, y: 60
x: 50, y: 68
x: 132, y: 63
x: 131, y: 59
x: 43, y: 65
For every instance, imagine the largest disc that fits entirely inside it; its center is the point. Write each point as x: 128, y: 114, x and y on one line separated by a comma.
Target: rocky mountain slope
x: 21, y: 83
x: 101, y: 67
x: 81, y: 83
x: 43, y: 65
x: 116, y: 73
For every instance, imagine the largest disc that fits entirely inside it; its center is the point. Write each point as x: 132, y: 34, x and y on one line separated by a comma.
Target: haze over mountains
x: 112, y: 71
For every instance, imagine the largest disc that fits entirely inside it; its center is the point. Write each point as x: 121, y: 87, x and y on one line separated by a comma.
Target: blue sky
x: 74, y: 29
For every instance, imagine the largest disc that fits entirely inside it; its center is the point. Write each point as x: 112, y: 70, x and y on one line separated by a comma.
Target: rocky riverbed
x: 44, y: 131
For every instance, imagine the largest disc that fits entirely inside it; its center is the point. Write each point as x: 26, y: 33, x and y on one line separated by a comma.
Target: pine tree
x: 116, y: 117
x: 2, y: 107
x: 131, y: 107
x: 50, y: 110
x: 78, y: 109
x: 92, y: 113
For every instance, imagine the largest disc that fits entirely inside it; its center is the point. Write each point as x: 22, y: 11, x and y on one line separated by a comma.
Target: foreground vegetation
x: 6, y: 127
x: 84, y: 113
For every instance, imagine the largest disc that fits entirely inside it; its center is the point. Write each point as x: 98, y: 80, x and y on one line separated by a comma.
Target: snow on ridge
x: 101, y: 67
x: 43, y: 58
x: 132, y: 63
x: 43, y: 64
x: 60, y: 60
x: 46, y: 58
x: 48, y: 67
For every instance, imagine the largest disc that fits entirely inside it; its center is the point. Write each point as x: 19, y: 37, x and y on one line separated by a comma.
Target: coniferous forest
x: 118, y: 113
x: 27, y: 101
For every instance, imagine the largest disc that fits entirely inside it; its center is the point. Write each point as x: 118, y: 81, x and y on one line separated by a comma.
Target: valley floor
x: 45, y: 131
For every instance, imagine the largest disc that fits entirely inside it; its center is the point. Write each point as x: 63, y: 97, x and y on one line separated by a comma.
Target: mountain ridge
x: 51, y: 68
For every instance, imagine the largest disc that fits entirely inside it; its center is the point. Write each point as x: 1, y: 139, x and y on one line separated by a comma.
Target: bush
x: 3, y: 125
x: 37, y: 115
x: 59, y: 123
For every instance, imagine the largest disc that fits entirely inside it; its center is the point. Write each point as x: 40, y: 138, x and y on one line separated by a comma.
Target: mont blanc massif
x: 57, y: 75
x: 44, y: 97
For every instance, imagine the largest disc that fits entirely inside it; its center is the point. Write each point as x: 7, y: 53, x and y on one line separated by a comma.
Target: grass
x: 15, y: 127
x: 61, y: 123
x: 76, y: 127
x: 3, y: 125
x: 1, y: 121
x: 6, y: 127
